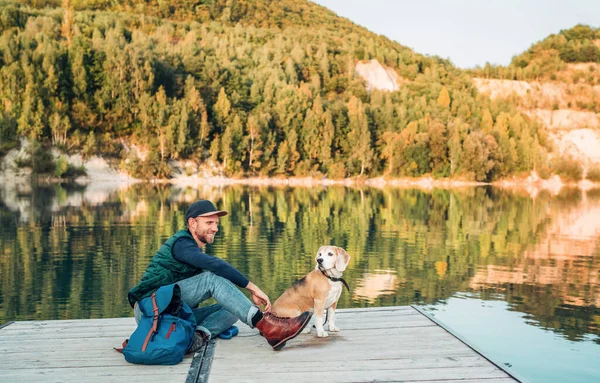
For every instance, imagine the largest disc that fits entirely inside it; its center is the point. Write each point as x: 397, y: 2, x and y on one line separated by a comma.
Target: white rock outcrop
x: 378, y: 77
x: 573, y: 132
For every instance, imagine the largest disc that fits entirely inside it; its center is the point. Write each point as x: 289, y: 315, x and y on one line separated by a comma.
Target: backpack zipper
x: 170, y: 331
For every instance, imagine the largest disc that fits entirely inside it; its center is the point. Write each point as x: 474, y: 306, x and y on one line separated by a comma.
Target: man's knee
x: 215, y: 279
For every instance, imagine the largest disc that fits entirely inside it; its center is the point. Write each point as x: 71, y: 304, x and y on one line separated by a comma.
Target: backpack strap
x: 154, y: 328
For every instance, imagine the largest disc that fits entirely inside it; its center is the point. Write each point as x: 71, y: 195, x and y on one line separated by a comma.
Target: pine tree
x: 222, y: 108
x: 198, y: 116
x: 487, y: 122
x: 230, y: 144
x: 310, y: 135
x: 456, y: 132
x: 438, y: 147
x: 359, y: 136
x: 326, y: 141
x: 444, y: 98
x: 390, y: 146
x: 162, y: 121
x: 68, y: 22
x: 502, y: 135
x: 254, y: 144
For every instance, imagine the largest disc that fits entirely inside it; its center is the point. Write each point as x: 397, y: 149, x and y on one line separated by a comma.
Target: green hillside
x: 550, y: 58
x: 257, y: 87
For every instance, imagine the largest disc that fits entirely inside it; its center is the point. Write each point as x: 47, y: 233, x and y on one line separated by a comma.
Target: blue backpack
x: 165, y: 331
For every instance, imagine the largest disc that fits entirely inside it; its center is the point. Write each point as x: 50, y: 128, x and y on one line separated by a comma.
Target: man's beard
x: 207, y: 238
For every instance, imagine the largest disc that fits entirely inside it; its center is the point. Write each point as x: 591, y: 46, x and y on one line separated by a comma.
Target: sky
x: 468, y: 32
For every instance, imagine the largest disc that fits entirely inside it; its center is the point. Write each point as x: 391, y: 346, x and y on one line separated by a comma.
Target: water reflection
x: 73, y: 252
x: 373, y: 285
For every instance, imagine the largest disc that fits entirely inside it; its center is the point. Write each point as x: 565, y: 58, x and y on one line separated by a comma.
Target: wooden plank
x: 64, y: 329
x: 102, y: 345
x: 314, y: 352
x: 363, y: 364
x: 125, y: 331
x: 374, y: 314
x: 62, y: 358
x: 85, y: 324
x: 48, y: 363
x: 124, y: 370
x: 357, y: 325
x: 355, y: 329
x: 354, y: 375
x: 157, y: 378
x: 99, y: 332
x: 77, y: 322
x: 368, y: 336
x: 111, y: 357
x: 486, y: 380
x: 98, y: 374
x: 82, y: 329
x: 378, y: 313
x: 83, y: 344
x: 250, y: 364
x: 378, y: 309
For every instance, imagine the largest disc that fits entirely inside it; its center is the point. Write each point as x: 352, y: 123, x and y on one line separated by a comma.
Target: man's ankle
x: 256, y: 318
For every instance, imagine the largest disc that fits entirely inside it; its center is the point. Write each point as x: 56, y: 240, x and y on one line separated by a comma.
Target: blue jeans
x: 214, y: 319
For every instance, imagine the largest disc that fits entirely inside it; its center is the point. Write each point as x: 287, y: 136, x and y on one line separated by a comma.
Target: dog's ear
x: 343, y: 258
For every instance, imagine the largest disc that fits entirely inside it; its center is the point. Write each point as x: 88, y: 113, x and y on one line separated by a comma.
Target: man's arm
x: 187, y: 251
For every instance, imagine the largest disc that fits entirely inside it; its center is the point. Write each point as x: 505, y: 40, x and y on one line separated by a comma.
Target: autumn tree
x: 359, y: 136
x: 443, y: 99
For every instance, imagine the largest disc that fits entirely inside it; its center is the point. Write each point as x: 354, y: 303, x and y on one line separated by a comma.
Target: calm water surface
x: 516, y: 275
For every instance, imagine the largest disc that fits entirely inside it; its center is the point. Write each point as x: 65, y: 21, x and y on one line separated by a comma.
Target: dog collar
x: 335, y: 279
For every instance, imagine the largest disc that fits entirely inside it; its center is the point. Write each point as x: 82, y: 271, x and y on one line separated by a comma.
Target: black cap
x: 202, y: 208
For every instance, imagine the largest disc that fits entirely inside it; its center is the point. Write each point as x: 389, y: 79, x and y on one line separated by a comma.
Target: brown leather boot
x: 278, y: 330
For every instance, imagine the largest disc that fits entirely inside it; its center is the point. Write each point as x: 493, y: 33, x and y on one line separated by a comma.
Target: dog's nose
x: 320, y: 260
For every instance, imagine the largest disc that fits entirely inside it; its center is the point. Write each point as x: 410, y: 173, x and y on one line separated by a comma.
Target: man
x: 200, y: 276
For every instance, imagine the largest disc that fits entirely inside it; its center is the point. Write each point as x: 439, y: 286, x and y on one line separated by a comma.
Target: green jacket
x: 163, y: 270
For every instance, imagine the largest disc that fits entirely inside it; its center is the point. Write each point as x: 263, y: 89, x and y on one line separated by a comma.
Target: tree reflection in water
x: 72, y: 252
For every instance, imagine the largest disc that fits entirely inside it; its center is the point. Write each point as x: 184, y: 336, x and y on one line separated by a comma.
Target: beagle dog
x: 318, y: 291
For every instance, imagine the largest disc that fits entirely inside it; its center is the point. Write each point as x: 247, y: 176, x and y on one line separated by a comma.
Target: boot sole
x: 282, y: 343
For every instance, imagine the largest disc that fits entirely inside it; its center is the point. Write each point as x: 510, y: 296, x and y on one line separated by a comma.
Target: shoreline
x: 552, y: 184
x: 102, y: 175
x: 532, y: 184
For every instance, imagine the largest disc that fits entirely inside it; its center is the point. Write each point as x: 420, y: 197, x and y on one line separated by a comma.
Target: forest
x: 550, y: 58
x: 253, y: 88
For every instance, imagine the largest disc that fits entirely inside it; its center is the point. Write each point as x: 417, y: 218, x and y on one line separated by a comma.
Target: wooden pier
x: 397, y: 344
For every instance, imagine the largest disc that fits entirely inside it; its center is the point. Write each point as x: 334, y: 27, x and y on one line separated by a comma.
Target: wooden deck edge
x: 200, y: 367
x: 6, y: 324
x: 512, y: 374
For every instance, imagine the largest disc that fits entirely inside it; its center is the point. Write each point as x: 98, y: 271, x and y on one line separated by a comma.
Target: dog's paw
x: 334, y: 329
x: 322, y: 334
x: 306, y: 330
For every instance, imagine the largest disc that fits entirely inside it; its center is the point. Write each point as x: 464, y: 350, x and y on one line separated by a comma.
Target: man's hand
x: 259, y: 297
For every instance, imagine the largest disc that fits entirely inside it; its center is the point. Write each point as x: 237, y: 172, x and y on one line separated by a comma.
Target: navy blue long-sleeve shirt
x: 187, y: 251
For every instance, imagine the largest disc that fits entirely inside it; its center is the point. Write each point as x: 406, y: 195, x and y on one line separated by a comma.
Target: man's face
x: 205, y: 228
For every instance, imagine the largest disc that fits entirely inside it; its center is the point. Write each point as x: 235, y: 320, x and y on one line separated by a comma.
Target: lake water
x: 516, y: 275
